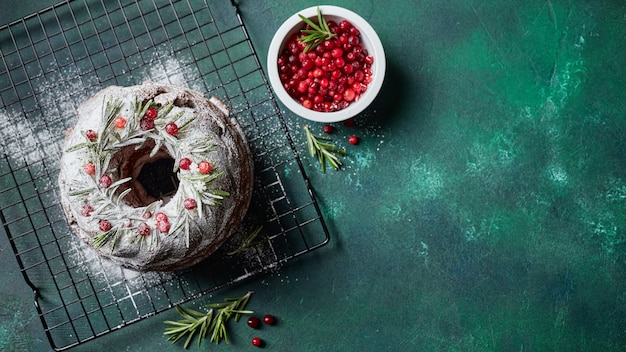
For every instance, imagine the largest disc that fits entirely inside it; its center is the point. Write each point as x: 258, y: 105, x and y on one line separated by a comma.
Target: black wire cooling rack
x: 53, y: 60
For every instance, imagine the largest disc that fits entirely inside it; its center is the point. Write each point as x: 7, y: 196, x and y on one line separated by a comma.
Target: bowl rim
x: 376, y: 50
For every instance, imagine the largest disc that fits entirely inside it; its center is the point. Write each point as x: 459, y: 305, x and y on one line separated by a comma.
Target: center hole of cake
x: 158, y: 179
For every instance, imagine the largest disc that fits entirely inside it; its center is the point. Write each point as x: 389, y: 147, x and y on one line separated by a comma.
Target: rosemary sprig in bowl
x: 198, y: 323
x: 317, y: 33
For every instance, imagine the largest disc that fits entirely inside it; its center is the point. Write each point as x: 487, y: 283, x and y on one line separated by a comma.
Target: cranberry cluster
x: 255, y: 323
x: 331, y: 76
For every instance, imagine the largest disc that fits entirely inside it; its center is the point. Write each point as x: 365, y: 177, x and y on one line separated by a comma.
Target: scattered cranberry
x: 161, y: 216
x: 105, y: 225
x: 86, y: 210
x: 269, y: 319
x: 204, y: 167
x: 143, y: 229
x: 164, y: 226
x: 330, y: 77
x: 348, y: 123
x: 256, y: 341
x: 328, y: 129
x: 184, y: 163
x: 105, y: 181
x: 190, y: 204
x: 120, y: 122
x: 146, y: 124
x: 90, y: 134
x: 90, y: 168
x: 254, y: 322
x: 171, y: 129
x: 353, y: 140
x: 151, y: 113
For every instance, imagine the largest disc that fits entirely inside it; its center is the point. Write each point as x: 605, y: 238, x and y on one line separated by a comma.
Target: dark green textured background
x: 483, y: 209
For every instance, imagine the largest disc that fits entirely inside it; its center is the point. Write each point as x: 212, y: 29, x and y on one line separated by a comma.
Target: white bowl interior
x: 370, y: 41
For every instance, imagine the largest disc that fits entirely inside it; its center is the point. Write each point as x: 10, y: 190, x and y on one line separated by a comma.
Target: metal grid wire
x: 53, y: 60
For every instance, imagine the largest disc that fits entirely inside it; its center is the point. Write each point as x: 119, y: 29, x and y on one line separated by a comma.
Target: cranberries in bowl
x: 334, y: 80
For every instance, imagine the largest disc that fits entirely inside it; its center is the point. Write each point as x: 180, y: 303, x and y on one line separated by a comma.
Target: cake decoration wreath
x: 100, y: 197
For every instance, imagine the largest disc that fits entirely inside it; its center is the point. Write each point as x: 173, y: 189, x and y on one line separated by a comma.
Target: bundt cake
x: 155, y: 177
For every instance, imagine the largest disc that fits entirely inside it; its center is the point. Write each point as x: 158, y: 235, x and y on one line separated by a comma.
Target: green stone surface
x: 483, y: 209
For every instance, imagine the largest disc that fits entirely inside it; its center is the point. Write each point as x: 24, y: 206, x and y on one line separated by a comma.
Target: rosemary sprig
x: 325, y: 152
x: 317, y: 34
x: 200, y: 323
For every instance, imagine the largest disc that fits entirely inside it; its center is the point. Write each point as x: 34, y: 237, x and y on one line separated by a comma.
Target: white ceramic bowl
x: 369, y: 40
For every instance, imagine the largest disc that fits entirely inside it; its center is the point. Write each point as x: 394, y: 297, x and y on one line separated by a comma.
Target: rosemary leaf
x: 78, y: 146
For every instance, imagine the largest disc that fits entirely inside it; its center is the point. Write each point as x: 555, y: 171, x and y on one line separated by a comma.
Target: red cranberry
x: 184, y: 163
x: 161, y: 217
x: 143, y: 229
x: 254, y: 322
x: 146, y: 124
x: 86, y: 210
x: 269, y: 319
x: 104, y: 225
x: 90, y: 134
x: 164, y: 226
x: 349, y: 94
x: 328, y: 129
x: 105, y: 181
x: 344, y: 26
x: 151, y: 113
x: 190, y: 204
x: 353, y: 140
x: 204, y: 167
x: 89, y: 168
x: 256, y: 341
x: 171, y: 129
x: 120, y: 122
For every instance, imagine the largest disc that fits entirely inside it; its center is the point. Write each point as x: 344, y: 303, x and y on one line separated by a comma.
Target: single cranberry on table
x: 353, y: 140
x: 254, y: 322
x: 328, y: 129
x: 256, y: 341
x: 269, y: 319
